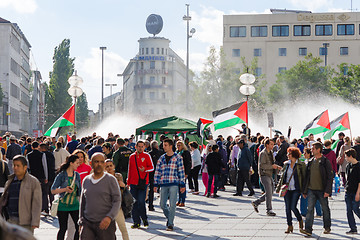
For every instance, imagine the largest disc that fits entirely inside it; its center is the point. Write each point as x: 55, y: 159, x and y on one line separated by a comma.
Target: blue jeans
x: 169, y: 192
x: 304, y: 205
x: 216, y: 183
x: 291, y: 199
x: 182, y: 196
x: 139, y: 209
x: 351, y: 207
x: 312, y: 197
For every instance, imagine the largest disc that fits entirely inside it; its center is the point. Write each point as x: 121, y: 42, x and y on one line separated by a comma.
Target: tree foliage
x: 82, y: 112
x: 58, y: 100
x: 1, y: 95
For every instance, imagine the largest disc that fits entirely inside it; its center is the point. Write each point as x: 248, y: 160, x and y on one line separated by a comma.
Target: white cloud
x: 90, y: 70
x: 20, y: 6
x: 312, y: 5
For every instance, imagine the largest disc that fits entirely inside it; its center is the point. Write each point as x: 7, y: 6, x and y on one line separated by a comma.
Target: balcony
x: 152, y: 86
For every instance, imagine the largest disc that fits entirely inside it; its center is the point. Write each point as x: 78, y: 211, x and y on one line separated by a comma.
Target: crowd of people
x: 37, y: 174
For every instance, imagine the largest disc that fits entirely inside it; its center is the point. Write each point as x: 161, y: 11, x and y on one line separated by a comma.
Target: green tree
x: 307, y: 77
x: 1, y: 95
x: 82, y: 112
x: 58, y: 99
x: 346, y: 83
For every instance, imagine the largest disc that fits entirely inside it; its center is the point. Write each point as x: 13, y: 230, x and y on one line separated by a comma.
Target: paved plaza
x: 227, y: 217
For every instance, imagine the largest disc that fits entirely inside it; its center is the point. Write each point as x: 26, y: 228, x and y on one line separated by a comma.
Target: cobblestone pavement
x: 227, y: 217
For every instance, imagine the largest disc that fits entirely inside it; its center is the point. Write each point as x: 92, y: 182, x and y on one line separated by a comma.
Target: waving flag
x: 202, y: 125
x: 231, y: 116
x: 67, y: 119
x: 341, y: 123
x: 320, y: 124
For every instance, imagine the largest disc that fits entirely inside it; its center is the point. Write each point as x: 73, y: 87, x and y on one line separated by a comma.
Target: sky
x: 118, y: 25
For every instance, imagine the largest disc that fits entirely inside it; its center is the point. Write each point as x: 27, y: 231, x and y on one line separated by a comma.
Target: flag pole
x: 350, y: 129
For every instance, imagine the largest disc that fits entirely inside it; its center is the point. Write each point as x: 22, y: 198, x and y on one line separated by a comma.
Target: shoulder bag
x: 142, y: 182
x: 285, y: 187
x: 55, y: 203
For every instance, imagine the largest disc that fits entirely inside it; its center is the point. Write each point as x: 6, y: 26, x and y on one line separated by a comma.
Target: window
x: 15, y: 91
x: 152, y: 51
x: 152, y: 95
x: 147, y: 50
x: 141, y: 80
x: 163, y: 95
x: 323, y: 30
x: 345, y: 70
x: 152, y: 64
x: 157, y: 50
x: 165, y: 51
x: 259, y: 31
x: 257, y: 52
x: 236, y: 52
x: 162, y: 51
x: 322, y: 51
x: 163, y: 65
x: 141, y: 65
x: 15, y: 67
x: 258, y: 72
x: 344, y: 51
x: 302, y: 51
x: 345, y: 29
x: 281, y: 69
x: 237, y: 31
x: 302, y: 30
x: 280, y: 31
x: 282, y: 51
x: 152, y: 80
x: 142, y: 51
x: 163, y: 79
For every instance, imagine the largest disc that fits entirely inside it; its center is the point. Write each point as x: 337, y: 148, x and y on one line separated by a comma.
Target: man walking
x: 99, y: 202
x: 12, y: 150
x: 140, y: 165
x: 22, y: 196
x: 169, y: 175
x: 317, y: 186
x: 244, y: 163
x: 266, y: 168
x: 214, y: 165
x: 155, y: 154
x: 121, y: 158
x: 50, y: 168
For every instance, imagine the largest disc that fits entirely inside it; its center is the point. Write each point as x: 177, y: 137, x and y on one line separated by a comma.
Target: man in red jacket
x: 140, y: 165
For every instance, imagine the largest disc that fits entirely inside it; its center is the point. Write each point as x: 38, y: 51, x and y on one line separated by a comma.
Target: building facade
x: 154, y: 81
x: 37, y: 105
x: 281, y: 39
x: 14, y: 78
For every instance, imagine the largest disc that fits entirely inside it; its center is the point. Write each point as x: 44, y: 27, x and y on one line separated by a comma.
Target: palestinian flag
x: 231, y: 116
x: 320, y: 124
x: 67, y: 119
x: 339, y: 124
x: 202, y: 125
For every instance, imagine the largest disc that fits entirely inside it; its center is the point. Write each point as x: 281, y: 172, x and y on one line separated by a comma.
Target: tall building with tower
x: 154, y: 81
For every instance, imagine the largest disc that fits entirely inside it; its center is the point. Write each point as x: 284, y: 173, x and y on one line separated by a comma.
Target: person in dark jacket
x: 155, y: 154
x: 281, y: 155
x: 244, y: 163
x: 224, y: 171
x: 13, y: 150
x: 4, y: 174
x: 317, y: 186
x: 214, y: 164
x: 50, y: 163
x: 340, y: 143
x: 183, y: 151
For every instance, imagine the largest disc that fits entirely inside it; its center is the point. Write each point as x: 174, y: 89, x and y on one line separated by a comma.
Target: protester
x: 341, y: 142
x: 224, y: 171
x: 13, y: 150
x: 121, y: 158
x: 97, y: 147
x: 84, y: 169
x: 71, y: 146
x: 214, y: 165
x: 67, y: 184
x: 195, y: 168
x: 185, y: 155
x: 24, y: 190
x: 120, y: 218
x: 4, y: 173
x: 99, y: 203
x: 293, y: 176
x: 169, y: 175
x: 281, y: 155
x: 330, y: 154
x: 341, y: 158
x: 204, y: 171
x: 266, y: 168
x: 155, y: 154
x: 140, y: 164
x: 243, y: 164
x: 60, y: 155
x: 318, y: 186
x: 107, y: 150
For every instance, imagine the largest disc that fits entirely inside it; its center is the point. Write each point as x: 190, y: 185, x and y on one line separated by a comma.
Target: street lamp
x: 75, y: 91
x: 326, y: 45
x: 102, y: 82
x: 189, y: 34
x: 247, y: 89
x: 111, y: 85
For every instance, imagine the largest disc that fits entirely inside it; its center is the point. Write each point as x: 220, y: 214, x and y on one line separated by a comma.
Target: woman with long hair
x: 60, y: 155
x: 293, y: 175
x: 67, y: 185
x: 120, y: 218
x: 84, y: 169
x: 182, y: 150
x: 195, y: 168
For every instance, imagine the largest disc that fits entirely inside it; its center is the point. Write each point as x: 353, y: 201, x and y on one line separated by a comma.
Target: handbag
x: 285, y: 187
x: 127, y: 202
x: 55, y: 203
x: 142, y: 182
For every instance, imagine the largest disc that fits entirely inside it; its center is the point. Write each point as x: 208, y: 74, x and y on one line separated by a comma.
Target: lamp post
x: 102, y: 82
x: 189, y: 34
x: 326, y: 45
x: 247, y: 89
x: 110, y: 85
x: 75, y: 91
